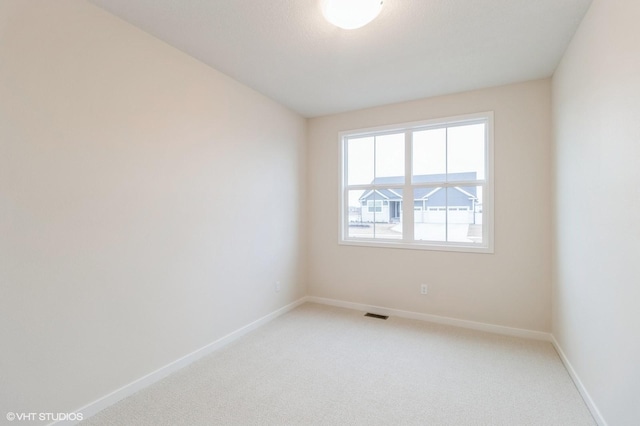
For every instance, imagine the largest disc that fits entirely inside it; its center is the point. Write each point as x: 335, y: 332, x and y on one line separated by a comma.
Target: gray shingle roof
x: 395, y: 194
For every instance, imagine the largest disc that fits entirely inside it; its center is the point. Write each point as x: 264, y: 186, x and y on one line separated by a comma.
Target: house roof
x: 432, y: 178
x: 395, y: 194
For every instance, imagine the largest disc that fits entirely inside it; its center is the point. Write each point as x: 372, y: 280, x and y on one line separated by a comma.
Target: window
x: 425, y: 185
x: 374, y: 206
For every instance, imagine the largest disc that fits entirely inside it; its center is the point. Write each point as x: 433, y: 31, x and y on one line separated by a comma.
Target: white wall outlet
x: 423, y: 289
x: 277, y: 286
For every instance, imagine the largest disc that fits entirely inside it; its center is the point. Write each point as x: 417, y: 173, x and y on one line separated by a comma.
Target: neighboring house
x: 430, y: 204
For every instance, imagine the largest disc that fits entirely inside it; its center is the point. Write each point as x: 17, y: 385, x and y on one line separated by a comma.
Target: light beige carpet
x: 320, y: 365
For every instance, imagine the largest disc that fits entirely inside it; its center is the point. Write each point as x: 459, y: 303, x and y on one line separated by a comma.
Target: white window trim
x: 488, y: 235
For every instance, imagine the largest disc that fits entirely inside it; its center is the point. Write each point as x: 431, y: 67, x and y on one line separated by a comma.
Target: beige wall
x: 132, y: 178
x: 147, y: 205
x: 510, y: 287
x: 596, y: 104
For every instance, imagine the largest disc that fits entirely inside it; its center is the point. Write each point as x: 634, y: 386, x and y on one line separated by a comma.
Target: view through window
x: 419, y: 185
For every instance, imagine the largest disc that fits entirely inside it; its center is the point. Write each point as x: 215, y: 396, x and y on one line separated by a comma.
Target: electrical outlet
x: 423, y: 289
x: 277, y: 286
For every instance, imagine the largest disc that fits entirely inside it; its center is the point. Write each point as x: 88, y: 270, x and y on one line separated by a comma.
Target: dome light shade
x: 351, y: 14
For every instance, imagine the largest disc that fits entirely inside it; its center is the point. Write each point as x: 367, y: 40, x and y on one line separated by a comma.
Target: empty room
x: 319, y: 212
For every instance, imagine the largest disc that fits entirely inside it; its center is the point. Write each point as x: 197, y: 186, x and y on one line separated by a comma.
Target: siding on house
x: 431, y: 204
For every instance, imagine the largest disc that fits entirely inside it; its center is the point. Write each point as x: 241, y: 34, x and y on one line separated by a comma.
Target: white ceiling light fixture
x: 351, y: 14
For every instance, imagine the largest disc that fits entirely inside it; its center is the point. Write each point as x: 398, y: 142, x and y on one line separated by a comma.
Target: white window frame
x: 407, y: 242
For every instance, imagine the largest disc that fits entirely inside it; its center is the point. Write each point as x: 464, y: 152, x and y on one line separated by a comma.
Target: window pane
x: 448, y: 214
x: 358, y: 227
x: 466, y: 152
x: 429, y: 155
x: 429, y: 214
x: 464, y: 214
x: 448, y: 179
x: 390, y: 159
x: 360, y: 161
x: 388, y: 223
x: 375, y: 213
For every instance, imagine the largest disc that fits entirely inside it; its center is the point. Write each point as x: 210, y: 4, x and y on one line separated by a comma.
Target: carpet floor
x: 320, y: 365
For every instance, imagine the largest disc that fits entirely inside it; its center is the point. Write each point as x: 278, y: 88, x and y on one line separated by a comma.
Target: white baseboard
x: 473, y: 325
x: 133, y: 387
x: 597, y: 416
x: 155, y: 376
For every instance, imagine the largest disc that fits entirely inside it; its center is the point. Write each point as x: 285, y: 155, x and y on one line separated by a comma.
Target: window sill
x: 430, y: 246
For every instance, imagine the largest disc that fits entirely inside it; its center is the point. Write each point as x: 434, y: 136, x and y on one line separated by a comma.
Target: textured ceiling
x: 414, y: 49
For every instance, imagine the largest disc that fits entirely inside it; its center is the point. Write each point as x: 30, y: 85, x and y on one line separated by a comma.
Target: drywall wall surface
x: 596, y: 92
x: 148, y: 205
x: 510, y: 287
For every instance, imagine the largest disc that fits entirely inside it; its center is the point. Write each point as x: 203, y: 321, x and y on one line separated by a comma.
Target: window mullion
x: 344, y: 176
x: 375, y: 177
x: 407, y: 190
x: 446, y: 189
